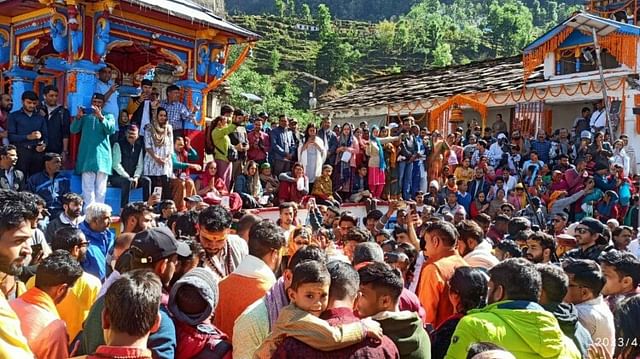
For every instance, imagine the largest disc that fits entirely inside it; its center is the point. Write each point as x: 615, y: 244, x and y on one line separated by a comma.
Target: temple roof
x: 495, y: 75
x: 189, y: 10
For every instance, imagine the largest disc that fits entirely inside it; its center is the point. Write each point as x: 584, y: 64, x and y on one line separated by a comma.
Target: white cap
x: 585, y: 134
x: 502, y: 136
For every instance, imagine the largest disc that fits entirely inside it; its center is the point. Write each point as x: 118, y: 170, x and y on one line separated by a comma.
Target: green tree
x: 386, y: 32
x: 509, y: 27
x: 306, y: 13
x: 291, y: 6
x: 336, y: 60
x: 281, y: 7
x: 324, y: 21
x: 274, y: 60
x: 442, y: 55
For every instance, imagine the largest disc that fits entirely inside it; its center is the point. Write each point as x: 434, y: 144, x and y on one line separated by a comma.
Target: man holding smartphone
x: 28, y: 132
x: 107, y: 86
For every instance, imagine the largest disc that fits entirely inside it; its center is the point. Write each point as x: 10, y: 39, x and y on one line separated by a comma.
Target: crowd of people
x: 484, y: 243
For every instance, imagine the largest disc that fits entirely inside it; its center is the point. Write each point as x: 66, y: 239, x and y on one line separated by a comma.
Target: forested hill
x: 303, y: 40
x: 375, y: 10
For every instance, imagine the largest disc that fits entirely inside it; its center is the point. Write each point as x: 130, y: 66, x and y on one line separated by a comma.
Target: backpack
x: 209, y: 147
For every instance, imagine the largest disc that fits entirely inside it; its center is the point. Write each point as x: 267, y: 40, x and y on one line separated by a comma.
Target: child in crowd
x: 323, y: 188
x: 193, y: 300
x: 360, y: 190
x: 309, y: 296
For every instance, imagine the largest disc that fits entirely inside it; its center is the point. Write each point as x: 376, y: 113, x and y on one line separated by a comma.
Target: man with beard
x: 71, y: 216
x: 555, y: 285
x: 40, y: 321
x: 479, y: 184
x: 541, y: 248
x: 622, y: 237
x: 156, y: 250
x: 473, y: 247
x: 74, y: 308
x: 223, y: 251
x: 28, y: 132
x: 50, y: 184
x: 136, y: 217
x: 589, y: 233
x: 10, y: 176
x: 16, y: 214
x: 128, y: 163
x: 6, y: 104
x: 253, y: 277
x: 513, y: 319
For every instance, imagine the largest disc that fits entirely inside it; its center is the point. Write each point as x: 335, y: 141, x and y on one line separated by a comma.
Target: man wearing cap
x: 177, y: 112
x: 106, y: 86
x: 140, y: 106
x: 223, y: 251
x: 192, y: 202
x: 156, y: 249
x: 94, y: 155
x: 588, y: 233
x: 128, y: 155
x: 259, y: 143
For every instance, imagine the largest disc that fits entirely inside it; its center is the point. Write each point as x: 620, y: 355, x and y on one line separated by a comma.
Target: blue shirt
x: 543, y: 148
x: 100, y: 243
x: 111, y: 105
x: 20, y: 125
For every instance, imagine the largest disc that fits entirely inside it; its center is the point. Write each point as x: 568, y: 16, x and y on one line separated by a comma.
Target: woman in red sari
x: 212, y: 188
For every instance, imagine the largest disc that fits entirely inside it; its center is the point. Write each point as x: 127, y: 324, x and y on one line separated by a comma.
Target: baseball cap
x: 151, y: 245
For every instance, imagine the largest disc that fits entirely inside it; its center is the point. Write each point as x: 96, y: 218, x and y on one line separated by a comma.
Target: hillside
x: 302, y: 46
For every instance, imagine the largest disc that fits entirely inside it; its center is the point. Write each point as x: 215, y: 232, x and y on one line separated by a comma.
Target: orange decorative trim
x: 536, y: 56
x: 621, y: 46
x: 243, y: 56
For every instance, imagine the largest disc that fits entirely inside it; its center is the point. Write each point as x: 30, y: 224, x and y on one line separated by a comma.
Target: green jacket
x: 94, y: 153
x: 222, y: 142
x: 523, y: 328
x: 407, y: 333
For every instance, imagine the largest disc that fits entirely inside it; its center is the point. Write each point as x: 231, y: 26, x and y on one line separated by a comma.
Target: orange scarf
x: 37, y: 297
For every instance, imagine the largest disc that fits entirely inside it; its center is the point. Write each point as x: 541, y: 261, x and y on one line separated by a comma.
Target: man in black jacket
x: 128, y: 156
x: 10, y: 177
x: 58, y: 123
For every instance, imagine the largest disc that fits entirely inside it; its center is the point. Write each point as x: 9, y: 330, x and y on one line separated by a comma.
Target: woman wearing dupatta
x: 345, y: 160
x: 248, y: 186
x: 158, y: 144
x: 212, y: 188
x: 377, y: 164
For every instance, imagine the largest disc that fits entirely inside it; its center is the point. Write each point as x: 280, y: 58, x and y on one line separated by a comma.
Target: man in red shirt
x: 345, y: 283
x: 259, y: 142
